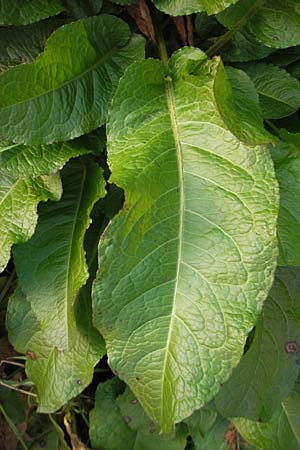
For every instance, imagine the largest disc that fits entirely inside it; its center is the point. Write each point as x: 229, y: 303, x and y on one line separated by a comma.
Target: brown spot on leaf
x: 152, y: 427
x: 127, y: 419
x: 291, y: 347
x: 134, y: 401
x: 275, y: 38
x: 79, y: 382
x: 31, y: 355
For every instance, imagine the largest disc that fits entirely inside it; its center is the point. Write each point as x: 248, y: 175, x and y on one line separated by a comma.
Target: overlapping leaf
x: 268, y: 371
x: 194, y: 247
x: 23, y: 12
x: 286, y: 158
x: 282, y: 432
x: 67, y: 90
x: 180, y: 8
x: 279, y: 92
x: 49, y: 317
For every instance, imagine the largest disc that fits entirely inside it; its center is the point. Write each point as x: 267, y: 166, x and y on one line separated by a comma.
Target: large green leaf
x: 286, y: 158
x: 67, y: 90
x: 180, y: 8
x: 23, y: 12
x: 244, y: 47
x: 185, y: 266
x: 48, y: 317
x: 283, y: 430
x: 279, y: 92
x: 268, y: 371
x: 20, y: 45
x: 19, y: 198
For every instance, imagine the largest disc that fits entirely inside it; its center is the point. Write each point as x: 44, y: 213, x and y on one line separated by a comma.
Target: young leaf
x: 20, y: 12
x: 67, y: 90
x: 194, y: 247
x: 279, y: 92
x: 179, y: 8
x: 287, y: 165
x: 268, y: 371
x: 48, y: 317
x: 19, y: 198
x: 282, y: 432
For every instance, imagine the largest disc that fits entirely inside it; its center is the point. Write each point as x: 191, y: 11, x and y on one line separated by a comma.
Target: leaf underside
x: 187, y: 263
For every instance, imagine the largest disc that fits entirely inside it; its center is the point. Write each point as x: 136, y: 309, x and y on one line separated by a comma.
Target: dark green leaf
x: 50, y: 319
x: 67, y: 90
x: 279, y: 92
x: 244, y: 47
x: 82, y: 8
x: 268, y: 371
x: 23, y: 12
x: 190, y: 186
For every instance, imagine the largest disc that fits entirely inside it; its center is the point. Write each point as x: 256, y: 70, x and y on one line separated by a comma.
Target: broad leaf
x: 20, y: 45
x: 286, y: 158
x: 282, y: 432
x: 63, y: 94
x: 279, y: 92
x: 247, y: 105
x: 82, y: 8
x: 211, y: 437
x: 19, y: 198
x: 48, y: 317
x: 180, y: 8
x: 244, y: 47
x: 194, y: 247
x: 23, y: 12
x: 268, y: 371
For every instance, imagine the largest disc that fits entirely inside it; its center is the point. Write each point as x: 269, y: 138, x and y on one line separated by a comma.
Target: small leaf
x: 190, y: 186
x: 23, y: 12
x: 49, y: 317
x: 179, y: 8
x: 283, y: 430
x: 286, y: 158
x: 279, y: 92
x: 267, y: 372
x: 67, y: 90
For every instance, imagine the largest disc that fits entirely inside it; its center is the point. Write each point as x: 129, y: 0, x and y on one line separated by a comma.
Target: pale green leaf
x: 268, y: 371
x: 279, y: 92
x: 277, y: 23
x: 23, y: 161
x: 19, y: 198
x: 20, y: 45
x: 23, y: 12
x: 67, y: 90
x: 182, y: 7
x: 247, y: 105
x: 283, y: 430
x: 49, y: 317
x: 286, y: 158
x: 194, y: 247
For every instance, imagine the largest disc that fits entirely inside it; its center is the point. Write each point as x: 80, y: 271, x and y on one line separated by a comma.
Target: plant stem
x: 161, y: 45
x: 13, y: 427
x: 239, y: 24
x: 273, y: 127
x: 13, y: 388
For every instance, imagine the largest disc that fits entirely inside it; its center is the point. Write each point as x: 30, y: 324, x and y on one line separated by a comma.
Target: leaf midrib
x: 173, y: 117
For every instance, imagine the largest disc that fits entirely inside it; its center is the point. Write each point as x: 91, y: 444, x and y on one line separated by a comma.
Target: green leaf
x: 82, y: 8
x: 279, y: 92
x: 49, y: 317
x: 22, y: 161
x: 62, y: 94
x: 19, y: 198
x: 23, y: 12
x: 239, y: 12
x: 194, y: 247
x: 19, y: 45
x: 286, y: 158
x: 244, y: 47
x: 13, y: 404
x: 213, y: 438
x: 277, y: 23
x: 268, y: 371
x: 247, y: 105
x: 180, y: 8
x: 108, y: 429
x: 283, y: 430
